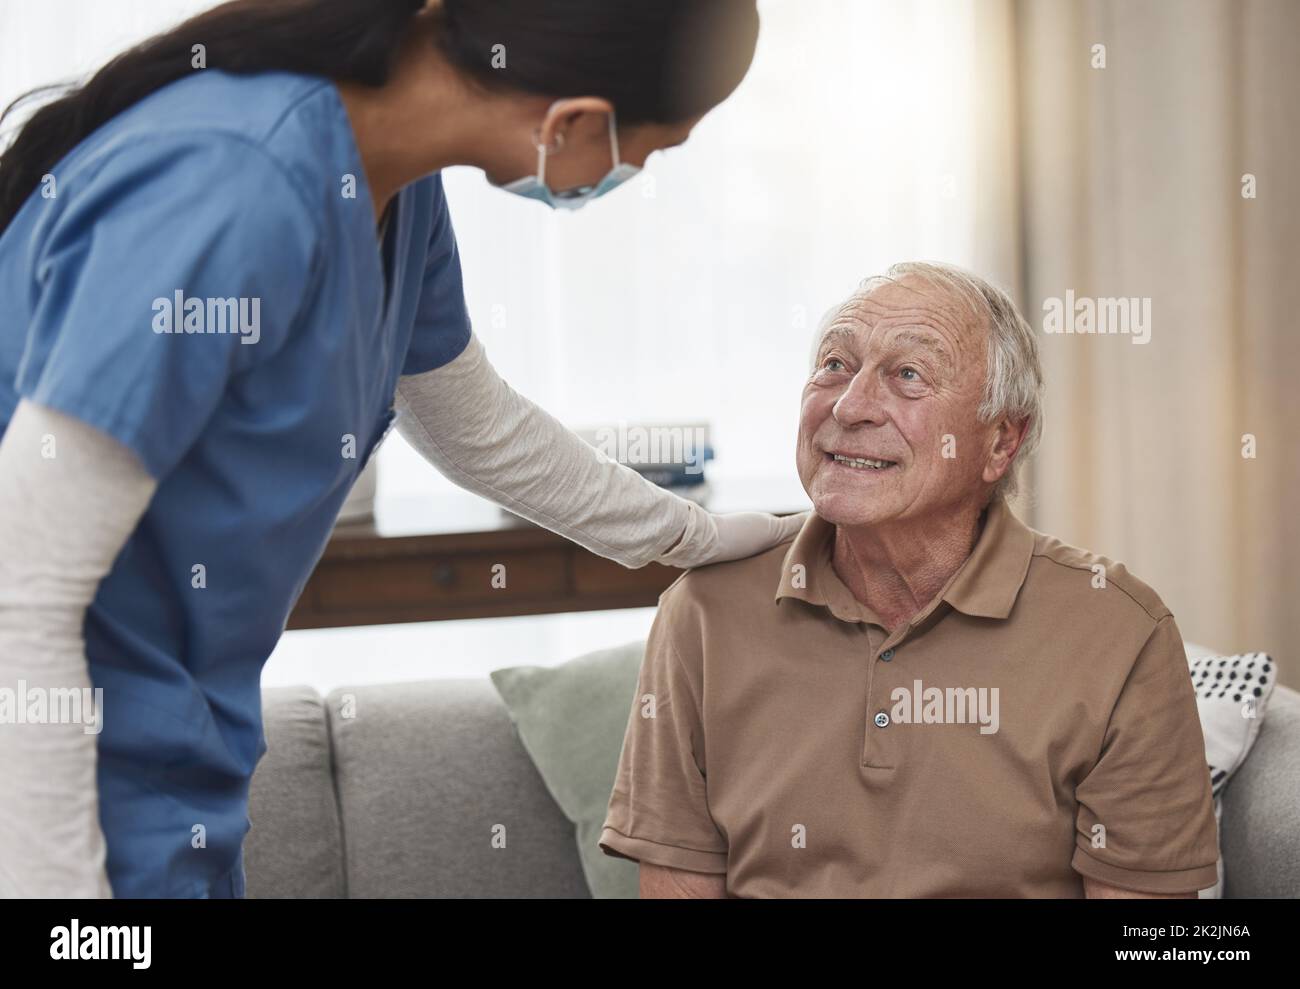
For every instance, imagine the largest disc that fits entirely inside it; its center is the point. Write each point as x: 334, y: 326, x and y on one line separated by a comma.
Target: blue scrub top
x: 114, y: 295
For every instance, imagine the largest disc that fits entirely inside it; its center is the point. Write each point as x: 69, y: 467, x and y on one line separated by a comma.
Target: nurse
x: 226, y: 267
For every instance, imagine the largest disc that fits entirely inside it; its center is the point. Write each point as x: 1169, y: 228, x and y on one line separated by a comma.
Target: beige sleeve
x: 659, y: 809
x: 70, y: 496
x: 1145, y: 819
x: 487, y: 438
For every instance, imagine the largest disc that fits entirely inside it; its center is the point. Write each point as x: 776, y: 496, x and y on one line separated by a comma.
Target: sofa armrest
x: 1260, y: 825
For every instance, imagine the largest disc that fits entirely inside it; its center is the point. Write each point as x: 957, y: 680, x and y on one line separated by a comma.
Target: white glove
x: 711, y: 538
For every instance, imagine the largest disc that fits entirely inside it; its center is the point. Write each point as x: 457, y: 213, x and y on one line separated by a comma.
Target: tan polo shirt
x: 1035, y: 723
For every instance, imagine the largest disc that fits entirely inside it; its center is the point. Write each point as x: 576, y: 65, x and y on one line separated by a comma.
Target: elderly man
x: 919, y: 696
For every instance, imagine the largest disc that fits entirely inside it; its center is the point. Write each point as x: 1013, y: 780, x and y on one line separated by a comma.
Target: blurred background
x: 1117, y: 148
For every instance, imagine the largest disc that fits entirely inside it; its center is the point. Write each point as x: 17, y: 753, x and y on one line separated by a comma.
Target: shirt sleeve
x: 442, y: 326
x: 1145, y: 818
x: 163, y: 268
x: 659, y: 809
x: 58, y: 544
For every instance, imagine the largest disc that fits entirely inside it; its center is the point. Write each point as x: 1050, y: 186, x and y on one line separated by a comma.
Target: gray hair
x: 1013, y: 381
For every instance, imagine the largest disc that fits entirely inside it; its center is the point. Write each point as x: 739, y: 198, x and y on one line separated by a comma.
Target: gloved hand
x: 714, y: 538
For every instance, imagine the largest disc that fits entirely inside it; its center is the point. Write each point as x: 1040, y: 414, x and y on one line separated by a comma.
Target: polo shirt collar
x: 985, y: 585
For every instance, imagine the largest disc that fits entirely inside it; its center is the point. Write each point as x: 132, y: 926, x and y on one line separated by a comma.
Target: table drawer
x: 597, y: 576
x: 462, y: 579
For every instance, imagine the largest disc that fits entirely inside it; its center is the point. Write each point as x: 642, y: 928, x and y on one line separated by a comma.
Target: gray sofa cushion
x: 1260, y: 829
x: 426, y: 770
x: 431, y: 777
x: 294, y: 848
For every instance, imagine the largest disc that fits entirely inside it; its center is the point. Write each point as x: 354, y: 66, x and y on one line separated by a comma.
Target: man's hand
x: 1094, y: 890
x: 658, y: 882
x: 662, y: 883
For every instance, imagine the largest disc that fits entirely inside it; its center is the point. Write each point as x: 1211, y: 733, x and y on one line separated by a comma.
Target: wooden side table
x: 457, y: 556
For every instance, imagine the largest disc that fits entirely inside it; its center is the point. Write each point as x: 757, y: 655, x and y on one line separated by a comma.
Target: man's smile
x: 858, y: 462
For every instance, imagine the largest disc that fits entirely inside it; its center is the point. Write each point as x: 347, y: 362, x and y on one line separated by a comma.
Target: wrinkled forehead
x: 910, y: 306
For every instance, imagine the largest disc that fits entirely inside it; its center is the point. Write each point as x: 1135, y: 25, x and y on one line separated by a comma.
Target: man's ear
x: 1007, y: 441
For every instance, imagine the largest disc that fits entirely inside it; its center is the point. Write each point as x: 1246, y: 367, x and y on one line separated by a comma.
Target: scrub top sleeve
x: 171, y: 264
x: 442, y: 326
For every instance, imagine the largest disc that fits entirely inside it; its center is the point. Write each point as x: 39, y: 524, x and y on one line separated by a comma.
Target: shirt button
x: 882, y: 720
x: 887, y: 655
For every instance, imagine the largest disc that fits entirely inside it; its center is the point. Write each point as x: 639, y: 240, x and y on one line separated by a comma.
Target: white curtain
x: 61, y: 40
x: 1133, y: 179
x: 867, y: 132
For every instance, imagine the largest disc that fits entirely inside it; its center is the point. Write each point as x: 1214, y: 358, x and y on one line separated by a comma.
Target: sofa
x: 425, y: 790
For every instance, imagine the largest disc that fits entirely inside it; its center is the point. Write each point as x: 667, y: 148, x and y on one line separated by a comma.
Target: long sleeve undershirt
x: 70, y: 497
x: 64, y: 518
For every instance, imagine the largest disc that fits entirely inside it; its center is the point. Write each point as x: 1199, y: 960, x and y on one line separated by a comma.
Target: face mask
x: 535, y: 187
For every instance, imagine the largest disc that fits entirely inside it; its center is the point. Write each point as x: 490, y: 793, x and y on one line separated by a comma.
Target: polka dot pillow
x: 1231, y: 694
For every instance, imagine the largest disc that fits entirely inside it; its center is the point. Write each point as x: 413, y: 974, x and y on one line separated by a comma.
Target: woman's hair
x: 664, y: 61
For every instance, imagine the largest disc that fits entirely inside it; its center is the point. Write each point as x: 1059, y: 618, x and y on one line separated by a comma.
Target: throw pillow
x: 1231, y: 695
x: 571, y: 720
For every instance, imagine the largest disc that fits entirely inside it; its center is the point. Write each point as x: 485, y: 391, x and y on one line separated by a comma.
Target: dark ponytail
x: 655, y: 60
x: 346, y: 39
